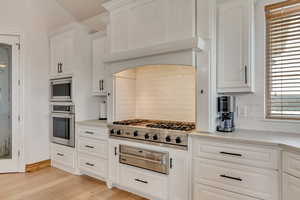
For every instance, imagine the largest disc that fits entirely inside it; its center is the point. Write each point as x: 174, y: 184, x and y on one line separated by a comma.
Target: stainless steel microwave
x: 61, y: 89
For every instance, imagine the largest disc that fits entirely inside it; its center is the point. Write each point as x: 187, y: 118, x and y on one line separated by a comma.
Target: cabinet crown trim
x: 193, y: 44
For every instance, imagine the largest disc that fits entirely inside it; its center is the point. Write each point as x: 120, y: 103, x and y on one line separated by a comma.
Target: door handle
x: 246, y: 74
x: 88, y: 146
x: 141, y: 181
x: 115, y: 151
x: 230, y: 177
x: 60, y: 154
x: 231, y: 154
x: 89, y: 164
x: 171, y: 163
x: 89, y: 132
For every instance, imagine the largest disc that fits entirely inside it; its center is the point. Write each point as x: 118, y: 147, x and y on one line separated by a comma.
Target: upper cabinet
x: 144, y: 23
x: 66, y: 48
x: 235, y: 46
x: 99, y: 49
x: 62, y: 46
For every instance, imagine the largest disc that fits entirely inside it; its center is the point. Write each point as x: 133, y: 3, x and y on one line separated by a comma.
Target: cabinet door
x: 62, y: 48
x: 67, y: 66
x: 235, y: 32
x: 56, y: 47
x: 98, y: 66
x: 291, y: 187
x: 179, y: 175
x: 113, y: 162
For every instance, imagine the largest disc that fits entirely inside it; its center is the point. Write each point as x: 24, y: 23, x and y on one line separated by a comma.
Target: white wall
x: 253, y: 104
x: 34, y: 18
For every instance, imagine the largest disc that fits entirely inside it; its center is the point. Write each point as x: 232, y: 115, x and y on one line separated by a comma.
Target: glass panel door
x: 5, y: 102
x: 9, y: 104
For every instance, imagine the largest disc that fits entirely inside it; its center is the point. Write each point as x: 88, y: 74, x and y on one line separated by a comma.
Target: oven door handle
x: 62, y: 115
x: 161, y: 162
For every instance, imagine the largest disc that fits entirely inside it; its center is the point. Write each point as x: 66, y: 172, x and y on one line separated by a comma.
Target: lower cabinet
x: 202, y: 192
x: 291, y: 187
x: 225, y: 172
x: 152, y: 185
x: 145, y: 182
x: 92, y: 153
x: 63, y: 157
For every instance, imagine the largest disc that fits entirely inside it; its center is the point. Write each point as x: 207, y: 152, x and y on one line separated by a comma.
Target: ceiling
x: 83, y: 9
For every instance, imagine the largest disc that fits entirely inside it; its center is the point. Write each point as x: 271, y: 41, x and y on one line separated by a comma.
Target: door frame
x: 21, y: 67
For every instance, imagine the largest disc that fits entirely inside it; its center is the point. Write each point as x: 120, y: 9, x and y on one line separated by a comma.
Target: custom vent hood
x: 157, y: 32
x: 147, y: 32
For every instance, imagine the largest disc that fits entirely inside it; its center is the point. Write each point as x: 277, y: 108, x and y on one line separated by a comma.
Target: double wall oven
x: 62, y: 117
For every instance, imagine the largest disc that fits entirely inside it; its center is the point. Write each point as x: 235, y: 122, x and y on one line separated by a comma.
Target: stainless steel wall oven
x: 145, y: 159
x: 62, y: 124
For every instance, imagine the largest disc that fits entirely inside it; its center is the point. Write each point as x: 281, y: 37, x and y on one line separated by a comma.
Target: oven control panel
x: 171, y: 137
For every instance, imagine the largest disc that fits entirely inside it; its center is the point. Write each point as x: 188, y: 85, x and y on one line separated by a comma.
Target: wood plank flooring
x: 54, y: 184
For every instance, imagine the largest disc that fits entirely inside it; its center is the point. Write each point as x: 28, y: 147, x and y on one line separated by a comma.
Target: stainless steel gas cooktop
x: 163, y: 133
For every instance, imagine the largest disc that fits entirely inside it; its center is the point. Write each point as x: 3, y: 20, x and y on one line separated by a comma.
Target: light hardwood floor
x: 54, y: 184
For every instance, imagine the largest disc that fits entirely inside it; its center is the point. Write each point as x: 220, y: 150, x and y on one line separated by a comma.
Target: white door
x: 9, y: 103
x: 234, y: 35
x: 98, y: 66
x: 179, y: 179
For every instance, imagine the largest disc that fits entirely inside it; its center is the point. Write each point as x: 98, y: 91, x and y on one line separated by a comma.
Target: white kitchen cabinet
x: 235, y: 44
x: 99, y: 49
x: 92, y: 151
x: 113, y: 162
x: 236, y: 169
x: 291, y: 187
x: 62, y: 47
x: 70, y: 51
x: 63, y: 157
x: 178, y: 175
x: 203, y: 192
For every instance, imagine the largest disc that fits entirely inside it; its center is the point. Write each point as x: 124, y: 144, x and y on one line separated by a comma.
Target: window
x: 283, y: 60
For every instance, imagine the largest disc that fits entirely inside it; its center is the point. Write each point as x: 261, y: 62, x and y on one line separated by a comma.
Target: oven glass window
x: 61, y: 90
x: 61, y: 128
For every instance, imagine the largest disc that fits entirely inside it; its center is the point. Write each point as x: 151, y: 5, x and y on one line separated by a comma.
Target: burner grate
x: 180, y: 126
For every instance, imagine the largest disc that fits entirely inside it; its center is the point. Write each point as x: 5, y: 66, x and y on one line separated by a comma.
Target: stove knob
x: 112, y: 131
x: 119, y: 132
x: 155, y: 137
x: 147, y: 136
x: 135, y: 133
x: 178, y: 140
x: 168, y: 139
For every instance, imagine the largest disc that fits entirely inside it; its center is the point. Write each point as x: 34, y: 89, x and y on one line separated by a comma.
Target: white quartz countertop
x: 97, y: 123
x: 284, y: 140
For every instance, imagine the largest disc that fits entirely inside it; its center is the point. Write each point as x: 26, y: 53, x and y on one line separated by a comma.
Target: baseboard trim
x: 37, y: 166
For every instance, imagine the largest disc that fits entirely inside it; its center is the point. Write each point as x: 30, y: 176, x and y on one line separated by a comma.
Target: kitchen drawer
x: 91, y: 132
x: 291, y: 163
x: 255, y: 182
x: 291, y: 187
x: 250, y: 155
x: 202, y: 192
x: 93, y: 165
x: 93, y: 147
x: 145, y: 182
x: 63, y: 155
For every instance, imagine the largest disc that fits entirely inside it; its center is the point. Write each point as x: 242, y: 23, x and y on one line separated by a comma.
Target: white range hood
x: 156, y: 32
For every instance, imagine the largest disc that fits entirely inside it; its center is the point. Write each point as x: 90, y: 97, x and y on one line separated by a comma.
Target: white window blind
x: 283, y: 60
